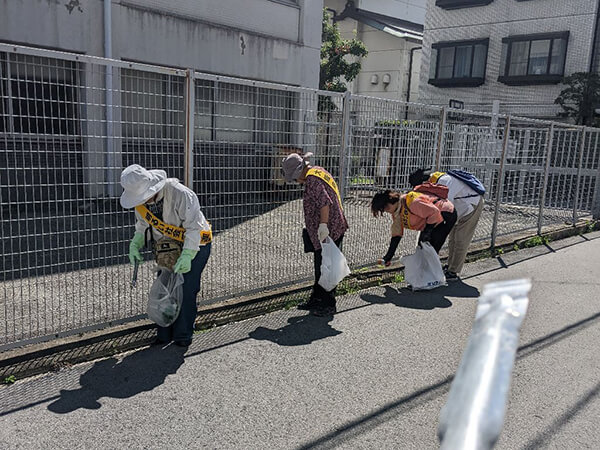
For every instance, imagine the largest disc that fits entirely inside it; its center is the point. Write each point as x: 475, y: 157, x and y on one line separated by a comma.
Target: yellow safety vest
x: 327, y: 179
x: 171, y: 231
x: 405, y: 212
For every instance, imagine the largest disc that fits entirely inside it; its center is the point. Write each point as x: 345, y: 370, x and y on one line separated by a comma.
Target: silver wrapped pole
x: 474, y: 413
x: 135, y: 274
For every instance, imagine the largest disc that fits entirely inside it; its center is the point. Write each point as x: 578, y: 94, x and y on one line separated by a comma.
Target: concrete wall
x: 275, y: 19
x: 500, y: 19
x: 268, y: 40
x: 46, y: 23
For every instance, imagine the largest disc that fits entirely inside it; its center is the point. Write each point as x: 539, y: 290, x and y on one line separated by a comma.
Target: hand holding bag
x: 165, y: 298
x: 334, y: 267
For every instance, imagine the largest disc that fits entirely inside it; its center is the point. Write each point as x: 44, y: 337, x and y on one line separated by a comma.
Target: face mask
x: 154, y: 199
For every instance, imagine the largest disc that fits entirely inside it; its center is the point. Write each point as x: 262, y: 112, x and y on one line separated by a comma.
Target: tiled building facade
x: 513, y: 51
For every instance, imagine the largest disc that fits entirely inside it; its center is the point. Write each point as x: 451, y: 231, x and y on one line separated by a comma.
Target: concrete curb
x: 53, y: 355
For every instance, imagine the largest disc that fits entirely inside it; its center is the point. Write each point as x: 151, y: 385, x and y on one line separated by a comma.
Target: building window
x: 153, y: 108
x: 246, y: 114
x: 275, y: 116
x: 459, y: 63
x: 235, y: 113
x: 456, y: 4
x: 287, y: 2
x: 533, y: 59
x: 152, y: 105
x: 38, y: 95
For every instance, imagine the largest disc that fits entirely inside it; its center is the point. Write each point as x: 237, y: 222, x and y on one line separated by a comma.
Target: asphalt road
x: 374, y: 376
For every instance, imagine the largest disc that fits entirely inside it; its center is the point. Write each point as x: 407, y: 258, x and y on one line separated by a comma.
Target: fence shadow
x: 300, y: 330
x: 139, y: 372
x: 543, y: 438
x: 523, y: 255
x: 368, y: 422
x: 95, y: 232
x: 425, y: 300
x: 122, y: 380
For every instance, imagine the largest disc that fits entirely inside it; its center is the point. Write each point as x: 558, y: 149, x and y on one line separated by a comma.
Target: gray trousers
x: 460, y: 238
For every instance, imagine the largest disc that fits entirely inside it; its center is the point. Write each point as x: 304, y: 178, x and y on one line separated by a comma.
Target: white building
x: 392, y: 31
x: 513, y: 51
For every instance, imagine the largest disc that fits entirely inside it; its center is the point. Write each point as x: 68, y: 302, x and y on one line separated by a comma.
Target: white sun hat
x: 139, y: 185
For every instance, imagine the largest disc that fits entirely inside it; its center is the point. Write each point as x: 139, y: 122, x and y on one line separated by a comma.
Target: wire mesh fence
x: 243, y: 130
x: 474, y: 142
x: 70, y: 123
x: 387, y: 141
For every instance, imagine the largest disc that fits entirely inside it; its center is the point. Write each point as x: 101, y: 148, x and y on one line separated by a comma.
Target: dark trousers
x: 183, y: 327
x: 327, y: 297
x: 441, y: 231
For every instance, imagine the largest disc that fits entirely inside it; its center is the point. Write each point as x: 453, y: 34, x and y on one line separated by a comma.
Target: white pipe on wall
x: 110, y: 157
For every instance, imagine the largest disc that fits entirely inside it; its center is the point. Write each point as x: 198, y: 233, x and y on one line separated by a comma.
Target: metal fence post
x: 549, y: 144
x: 111, y: 166
x: 190, y: 102
x: 576, y: 195
x: 596, y: 194
x: 596, y: 198
x: 441, y: 136
x: 500, y: 182
x: 345, y: 147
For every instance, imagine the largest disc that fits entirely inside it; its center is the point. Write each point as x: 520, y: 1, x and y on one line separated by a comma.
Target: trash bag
x: 423, y: 269
x: 333, y: 266
x: 164, y: 300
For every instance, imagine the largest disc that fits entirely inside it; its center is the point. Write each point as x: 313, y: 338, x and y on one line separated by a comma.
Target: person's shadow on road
x: 300, y: 330
x: 139, y: 372
x: 428, y: 300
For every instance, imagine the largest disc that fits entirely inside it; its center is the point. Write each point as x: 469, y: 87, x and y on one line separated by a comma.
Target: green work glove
x: 184, y: 263
x: 134, y: 248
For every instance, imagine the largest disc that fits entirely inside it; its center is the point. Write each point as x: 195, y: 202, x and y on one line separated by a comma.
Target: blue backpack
x: 469, y: 179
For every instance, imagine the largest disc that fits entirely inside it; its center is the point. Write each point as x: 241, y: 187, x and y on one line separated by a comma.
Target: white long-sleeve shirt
x: 460, y: 194
x: 181, y: 209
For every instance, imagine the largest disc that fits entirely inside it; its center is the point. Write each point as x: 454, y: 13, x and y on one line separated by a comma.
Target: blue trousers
x: 183, y: 327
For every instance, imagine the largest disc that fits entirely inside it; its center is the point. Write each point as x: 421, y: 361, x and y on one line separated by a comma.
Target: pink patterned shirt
x: 318, y: 194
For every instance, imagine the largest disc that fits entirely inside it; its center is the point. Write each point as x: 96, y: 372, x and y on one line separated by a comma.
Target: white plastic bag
x: 333, y: 266
x: 164, y: 300
x: 423, y: 269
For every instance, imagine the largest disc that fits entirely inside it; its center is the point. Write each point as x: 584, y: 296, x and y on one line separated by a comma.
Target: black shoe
x: 156, y: 341
x: 185, y: 343
x: 312, y: 303
x: 324, y: 311
x: 451, y: 276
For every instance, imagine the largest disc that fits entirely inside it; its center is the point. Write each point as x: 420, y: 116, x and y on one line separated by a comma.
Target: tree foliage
x: 581, y: 97
x: 336, y: 69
